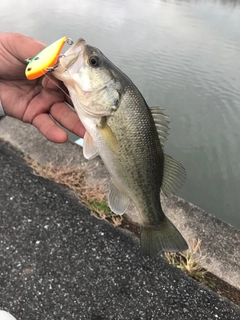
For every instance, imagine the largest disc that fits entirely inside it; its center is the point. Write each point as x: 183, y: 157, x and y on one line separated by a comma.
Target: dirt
x: 222, y: 288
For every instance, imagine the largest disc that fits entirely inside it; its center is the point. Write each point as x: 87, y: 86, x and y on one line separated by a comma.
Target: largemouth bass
x: 129, y: 136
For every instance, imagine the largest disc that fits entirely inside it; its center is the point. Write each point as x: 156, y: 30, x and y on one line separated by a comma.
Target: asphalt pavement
x: 60, y: 262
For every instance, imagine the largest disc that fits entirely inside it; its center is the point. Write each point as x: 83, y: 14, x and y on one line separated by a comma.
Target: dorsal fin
x: 161, y: 123
x: 174, y: 176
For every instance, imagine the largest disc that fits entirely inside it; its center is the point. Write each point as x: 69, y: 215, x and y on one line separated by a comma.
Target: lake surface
x: 183, y: 56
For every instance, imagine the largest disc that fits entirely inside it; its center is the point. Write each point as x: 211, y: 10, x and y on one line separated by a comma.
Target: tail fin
x: 164, y: 237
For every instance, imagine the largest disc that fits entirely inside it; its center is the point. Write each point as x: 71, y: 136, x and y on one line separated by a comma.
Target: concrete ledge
x: 220, y: 241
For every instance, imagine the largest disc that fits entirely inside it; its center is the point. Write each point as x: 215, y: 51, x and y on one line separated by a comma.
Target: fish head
x: 90, y: 78
x: 87, y: 65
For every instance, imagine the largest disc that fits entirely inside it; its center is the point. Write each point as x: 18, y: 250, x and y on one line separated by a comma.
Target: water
x: 183, y: 56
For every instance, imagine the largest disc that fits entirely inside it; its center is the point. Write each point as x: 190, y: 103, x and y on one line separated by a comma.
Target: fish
x: 129, y: 136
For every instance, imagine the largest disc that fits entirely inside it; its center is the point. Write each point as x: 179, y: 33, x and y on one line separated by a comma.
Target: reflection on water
x: 183, y: 56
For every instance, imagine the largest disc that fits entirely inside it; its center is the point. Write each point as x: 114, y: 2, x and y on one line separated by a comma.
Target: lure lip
x: 46, y: 60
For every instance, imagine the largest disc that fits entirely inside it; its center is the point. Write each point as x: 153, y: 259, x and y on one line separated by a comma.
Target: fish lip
x: 79, y: 43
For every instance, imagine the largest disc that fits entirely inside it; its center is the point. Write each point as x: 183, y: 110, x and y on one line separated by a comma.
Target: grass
x: 189, y: 261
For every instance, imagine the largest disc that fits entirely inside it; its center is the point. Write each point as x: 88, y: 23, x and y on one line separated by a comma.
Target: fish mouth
x: 73, y: 57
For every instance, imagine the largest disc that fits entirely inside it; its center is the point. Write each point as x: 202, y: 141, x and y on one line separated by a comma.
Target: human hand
x: 34, y: 101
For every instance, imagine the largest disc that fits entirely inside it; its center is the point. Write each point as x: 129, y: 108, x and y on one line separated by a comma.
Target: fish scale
x: 142, y: 173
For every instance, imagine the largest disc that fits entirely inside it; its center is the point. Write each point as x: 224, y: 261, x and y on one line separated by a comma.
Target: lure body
x: 44, y: 60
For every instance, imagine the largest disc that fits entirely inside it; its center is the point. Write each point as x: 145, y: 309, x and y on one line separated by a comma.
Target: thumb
x: 21, y: 46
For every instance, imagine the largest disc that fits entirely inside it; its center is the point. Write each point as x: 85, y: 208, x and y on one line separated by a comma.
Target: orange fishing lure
x: 45, y: 60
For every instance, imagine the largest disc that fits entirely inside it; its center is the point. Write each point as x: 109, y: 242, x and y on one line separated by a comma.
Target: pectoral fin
x: 89, y: 149
x: 174, y: 176
x: 117, y: 200
x: 109, y: 136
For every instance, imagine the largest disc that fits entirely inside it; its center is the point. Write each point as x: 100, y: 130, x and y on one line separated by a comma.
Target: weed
x: 188, y: 261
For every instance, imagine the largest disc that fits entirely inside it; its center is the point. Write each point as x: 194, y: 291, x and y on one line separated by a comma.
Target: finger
x: 67, y: 118
x: 41, y: 101
x: 49, y: 129
x: 28, y: 49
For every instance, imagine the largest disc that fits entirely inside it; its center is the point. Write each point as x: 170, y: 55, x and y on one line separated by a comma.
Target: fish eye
x: 94, y: 61
x: 29, y: 69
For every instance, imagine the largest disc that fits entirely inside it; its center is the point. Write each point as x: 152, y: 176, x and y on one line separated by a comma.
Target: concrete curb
x: 220, y: 241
